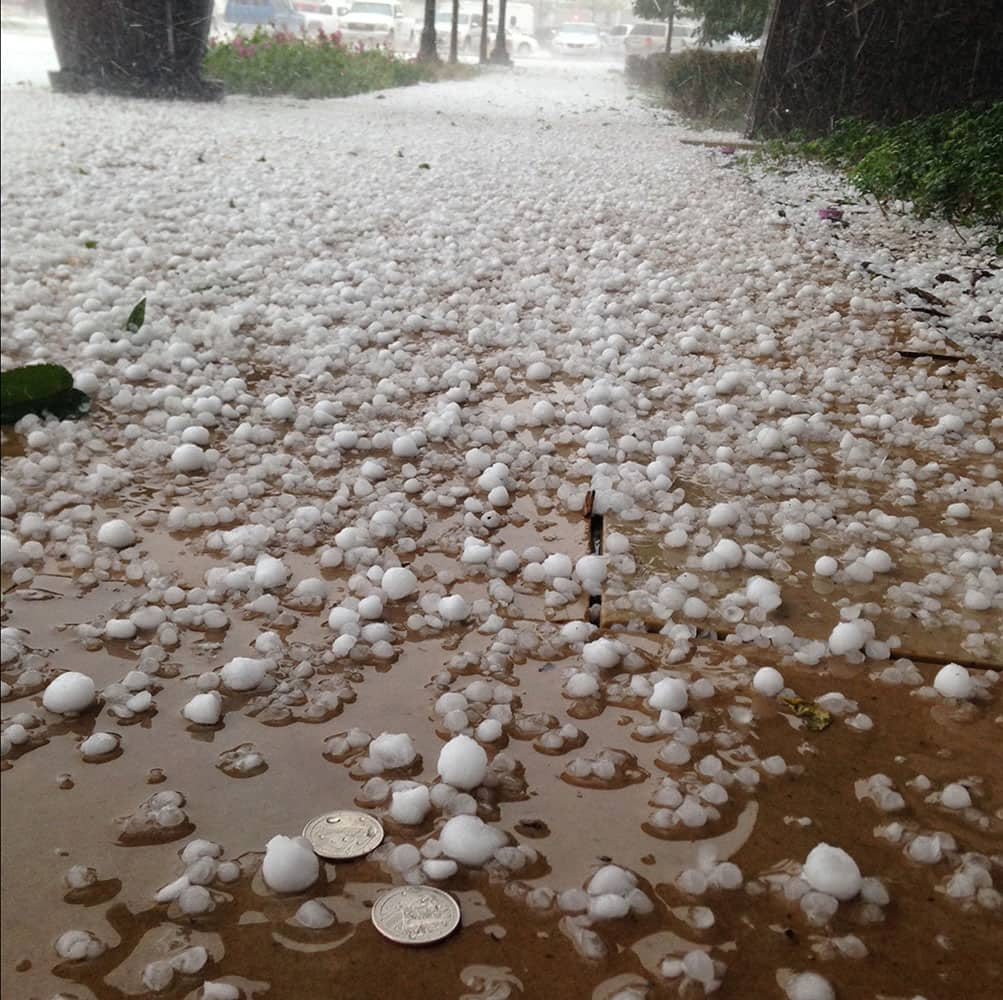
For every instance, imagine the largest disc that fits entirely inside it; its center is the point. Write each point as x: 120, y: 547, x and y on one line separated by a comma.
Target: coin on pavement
x: 343, y: 834
x: 416, y: 914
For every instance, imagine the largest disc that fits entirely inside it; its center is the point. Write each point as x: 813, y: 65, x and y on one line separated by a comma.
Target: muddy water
x: 924, y: 943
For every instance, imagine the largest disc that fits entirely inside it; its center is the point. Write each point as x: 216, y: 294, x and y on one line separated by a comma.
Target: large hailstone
x: 69, y: 692
x: 290, y: 864
x: 398, y: 582
x: 117, y: 533
x: 831, y: 870
x: 469, y: 840
x: 243, y: 673
x: 953, y: 681
x: 463, y: 762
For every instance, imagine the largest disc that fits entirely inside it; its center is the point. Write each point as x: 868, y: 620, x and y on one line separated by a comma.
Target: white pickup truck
x: 378, y: 23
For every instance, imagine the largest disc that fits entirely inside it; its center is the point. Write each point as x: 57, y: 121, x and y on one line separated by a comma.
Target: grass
x: 267, y: 64
x: 946, y: 165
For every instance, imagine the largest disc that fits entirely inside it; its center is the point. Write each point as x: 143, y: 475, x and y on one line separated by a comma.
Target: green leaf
x: 91, y: 244
x: 39, y: 389
x: 424, y: 166
x: 137, y: 317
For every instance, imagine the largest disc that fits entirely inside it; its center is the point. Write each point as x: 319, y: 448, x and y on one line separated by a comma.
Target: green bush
x: 946, y: 165
x: 714, y: 88
x: 268, y: 64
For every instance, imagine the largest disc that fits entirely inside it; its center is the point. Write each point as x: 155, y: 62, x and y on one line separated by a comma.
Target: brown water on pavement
x: 925, y: 941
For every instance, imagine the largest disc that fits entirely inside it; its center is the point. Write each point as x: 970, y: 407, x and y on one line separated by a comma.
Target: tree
x: 454, y: 34
x: 427, y: 51
x: 660, y: 10
x: 719, y: 18
x: 484, y: 31
x: 500, y: 52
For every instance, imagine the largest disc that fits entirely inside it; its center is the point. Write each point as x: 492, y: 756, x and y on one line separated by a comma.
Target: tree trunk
x: 884, y: 62
x: 500, y: 53
x: 135, y: 47
x: 671, y: 23
x: 426, y: 50
x: 484, y: 31
x: 454, y: 34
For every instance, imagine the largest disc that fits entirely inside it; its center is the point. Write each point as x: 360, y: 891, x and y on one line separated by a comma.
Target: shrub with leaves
x: 710, y: 87
x: 272, y: 63
x: 946, y: 165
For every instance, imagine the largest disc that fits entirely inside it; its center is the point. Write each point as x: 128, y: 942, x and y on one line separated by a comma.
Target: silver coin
x: 344, y: 834
x: 416, y: 914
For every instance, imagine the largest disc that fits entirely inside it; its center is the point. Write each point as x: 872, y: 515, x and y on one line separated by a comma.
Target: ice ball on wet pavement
x: 195, y: 899
x: 410, y: 806
x: 768, y: 681
x: 826, y: 566
x: 603, y: 653
x: 463, y: 762
x: 453, y: 608
x: 577, y: 631
x: 699, y: 965
x: 955, y: 796
x: 581, y: 685
x: 204, y: 709
x: 99, y: 745
x: 669, y: 694
x: 75, y: 946
x: 218, y: 990
x: 850, y: 637
x: 611, y: 879
x: 290, y: 864
x: 831, y: 870
x: 591, y: 570
x: 270, y: 572
x: 68, y: 693
x: 469, y: 840
x: 117, y: 533
x: 404, y: 857
x: 953, y: 681
x: 188, y: 458
x: 722, y: 515
x: 398, y: 582
x: 809, y: 986
x: 392, y: 750
x: 243, y: 673
x: 315, y: 915
x: 764, y: 593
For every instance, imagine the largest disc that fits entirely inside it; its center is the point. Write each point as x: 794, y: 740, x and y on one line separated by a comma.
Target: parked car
x: 612, y: 40
x: 444, y: 25
x: 577, y: 38
x: 517, y: 42
x: 377, y: 23
x: 521, y: 44
x: 646, y: 38
x: 319, y: 17
x: 250, y: 14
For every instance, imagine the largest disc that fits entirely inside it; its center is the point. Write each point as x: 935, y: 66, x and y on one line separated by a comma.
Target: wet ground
x: 302, y: 251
